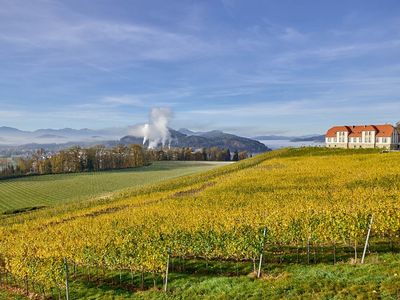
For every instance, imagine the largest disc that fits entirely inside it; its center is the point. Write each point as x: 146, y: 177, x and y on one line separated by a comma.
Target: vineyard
x: 294, y: 201
x: 48, y: 190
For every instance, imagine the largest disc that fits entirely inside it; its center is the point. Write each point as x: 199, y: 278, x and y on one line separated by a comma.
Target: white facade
x: 365, y: 139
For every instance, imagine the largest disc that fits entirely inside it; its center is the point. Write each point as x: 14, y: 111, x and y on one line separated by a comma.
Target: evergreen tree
x: 235, y: 156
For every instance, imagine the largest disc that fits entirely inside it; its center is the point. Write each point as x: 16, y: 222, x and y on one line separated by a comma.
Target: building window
x: 342, y: 137
x: 368, y: 136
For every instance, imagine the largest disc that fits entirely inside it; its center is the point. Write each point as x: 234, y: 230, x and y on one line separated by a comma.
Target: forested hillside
x: 209, y: 139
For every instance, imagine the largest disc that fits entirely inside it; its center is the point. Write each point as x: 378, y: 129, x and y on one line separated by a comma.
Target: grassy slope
x: 342, y: 281
x: 61, y: 188
x: 152, y: 184
x: 378, y: 279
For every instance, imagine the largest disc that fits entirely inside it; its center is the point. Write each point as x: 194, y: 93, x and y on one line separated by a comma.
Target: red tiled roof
x: 332, y: 132
x: 356, y: 131
x: 385, y: 130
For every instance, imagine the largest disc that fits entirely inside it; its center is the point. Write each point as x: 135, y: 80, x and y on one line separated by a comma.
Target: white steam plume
x: 156, y: 132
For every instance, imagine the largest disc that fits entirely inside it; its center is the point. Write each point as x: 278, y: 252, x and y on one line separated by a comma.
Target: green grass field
x: 377, y: 279
x: 48, y: 190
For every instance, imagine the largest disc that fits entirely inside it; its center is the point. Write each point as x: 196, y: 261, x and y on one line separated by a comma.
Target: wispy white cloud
x: 294, y: 117
x: 94, y: 37
x: 72, y: 116
x: 337, y: 52
x: 123, y: 100
x: 7, y: 115
x: 300, y: 108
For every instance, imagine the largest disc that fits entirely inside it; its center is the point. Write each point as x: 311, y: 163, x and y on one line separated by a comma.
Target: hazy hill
x: 272, y: 137
x: 316, y: 139
x: 16, y: 137
x: 209, y: 139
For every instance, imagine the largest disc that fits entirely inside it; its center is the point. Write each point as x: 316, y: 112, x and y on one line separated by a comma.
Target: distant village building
x: 364, y: 136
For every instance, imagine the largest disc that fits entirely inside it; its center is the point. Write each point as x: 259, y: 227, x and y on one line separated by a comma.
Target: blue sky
x: 247, y: 67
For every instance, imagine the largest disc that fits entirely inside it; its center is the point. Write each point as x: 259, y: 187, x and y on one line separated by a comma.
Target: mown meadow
x: 48, y: 190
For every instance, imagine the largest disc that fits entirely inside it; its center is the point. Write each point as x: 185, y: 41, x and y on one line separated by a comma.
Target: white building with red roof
x: 363, y: 136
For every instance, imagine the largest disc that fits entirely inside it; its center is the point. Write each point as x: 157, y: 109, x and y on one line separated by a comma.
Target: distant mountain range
x: 15, y: 141
x: 317, y: 138
x: 273, y: 137
x: 13, y: 136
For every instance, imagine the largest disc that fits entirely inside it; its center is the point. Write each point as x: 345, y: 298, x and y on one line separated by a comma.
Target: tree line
x: 77, y: 159
x: 100, y: 158
x: 204, y: 154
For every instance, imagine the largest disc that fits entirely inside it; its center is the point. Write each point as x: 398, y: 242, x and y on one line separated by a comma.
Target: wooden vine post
x: 261, y: 252
x: 334, y: 252
x: 167, y: 271
x: 367, y: 239
x: 26, y: 285
x: 66, y: 279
